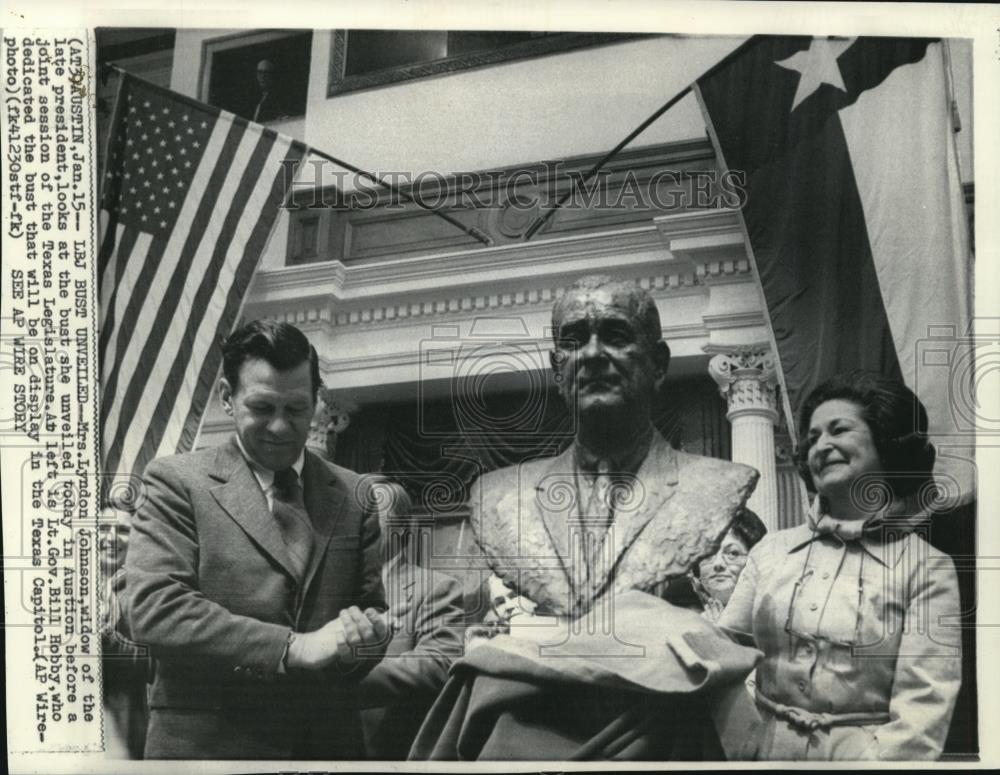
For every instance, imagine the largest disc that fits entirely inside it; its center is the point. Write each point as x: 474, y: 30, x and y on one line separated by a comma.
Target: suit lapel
x: 554, y: 501
x: 240, y: 496
x: 326, y: 499
x: 657, y: 478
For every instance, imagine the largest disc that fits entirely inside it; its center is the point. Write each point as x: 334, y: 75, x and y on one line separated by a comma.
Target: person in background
x: 715, y: 577
x: 854, y: 611
x: 271, y: 102
x: 126, y: 666
x: 426, y: 618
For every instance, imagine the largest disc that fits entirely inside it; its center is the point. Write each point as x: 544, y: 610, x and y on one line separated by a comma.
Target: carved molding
x: 403, y: 312
x: 703, y: 291
x: 467, y: 281
x: 728, y: 320
x: 748, y: 379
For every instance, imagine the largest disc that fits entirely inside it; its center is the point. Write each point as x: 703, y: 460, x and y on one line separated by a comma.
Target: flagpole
x: 542, y: 220
x: 472, y: 231
x: 111, y: 123
x: 949, y: 82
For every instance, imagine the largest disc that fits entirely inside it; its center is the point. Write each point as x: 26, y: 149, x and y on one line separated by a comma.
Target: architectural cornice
x: 711, y: 240
x: 701, y: 247
x: 374, y: 321
x: 465, y: 281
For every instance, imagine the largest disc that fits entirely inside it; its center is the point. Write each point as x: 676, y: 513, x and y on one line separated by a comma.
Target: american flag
x: 189, y: 199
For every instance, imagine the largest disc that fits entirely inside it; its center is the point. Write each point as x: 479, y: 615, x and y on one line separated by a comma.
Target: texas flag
x: 854, y: 217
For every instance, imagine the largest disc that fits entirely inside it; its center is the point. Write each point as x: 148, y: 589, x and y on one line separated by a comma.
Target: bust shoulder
x: 495, y: 483
x: 714, y: 476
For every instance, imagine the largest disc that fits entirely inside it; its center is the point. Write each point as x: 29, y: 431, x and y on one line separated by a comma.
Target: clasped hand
x: 339, y: 640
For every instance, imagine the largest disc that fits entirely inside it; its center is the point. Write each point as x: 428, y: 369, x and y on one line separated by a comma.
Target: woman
x: 715, y: 577
x: 853, y: 610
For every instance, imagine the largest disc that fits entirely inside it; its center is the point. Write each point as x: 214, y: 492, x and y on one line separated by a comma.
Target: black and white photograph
x: 545, y: 389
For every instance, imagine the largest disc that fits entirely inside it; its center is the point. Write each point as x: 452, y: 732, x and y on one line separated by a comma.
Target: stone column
x: 748, y: 380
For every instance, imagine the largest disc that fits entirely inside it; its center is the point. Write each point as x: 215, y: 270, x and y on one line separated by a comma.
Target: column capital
x: 748, y: 379
x: 328, y: 420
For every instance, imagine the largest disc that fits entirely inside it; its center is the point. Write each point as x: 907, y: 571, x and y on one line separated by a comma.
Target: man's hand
x: 337, y: 640
x: 315, y: 650
x: 361, y: 630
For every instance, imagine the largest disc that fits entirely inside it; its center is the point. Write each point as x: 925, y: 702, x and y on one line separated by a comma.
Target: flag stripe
x: 232, y: 283
x: 129, y: 289
x: 911, y: 246
x: 201, y: 387
x: 150, y: 418
x: 816, y: 266
x: 213, y: 186
x: 103, y: 222
x: 108, y: 252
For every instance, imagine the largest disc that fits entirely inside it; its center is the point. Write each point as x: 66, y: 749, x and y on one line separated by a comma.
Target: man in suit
x: 593, y: 666
x: 426, y: 615
x: 247, y: 570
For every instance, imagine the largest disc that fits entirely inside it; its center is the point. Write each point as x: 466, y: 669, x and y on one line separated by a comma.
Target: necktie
x: 600, y: 504
x: 289, y: 509
x: 597, y: 517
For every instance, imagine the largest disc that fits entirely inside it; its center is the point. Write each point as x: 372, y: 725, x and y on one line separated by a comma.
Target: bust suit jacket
x: 525, y: 519
x: 211, y: 592
x: 426, y: 610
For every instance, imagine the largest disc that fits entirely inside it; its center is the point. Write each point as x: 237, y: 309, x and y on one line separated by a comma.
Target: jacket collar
x: 265, y: 475
x: 882, y: 535
x: 240, y: 495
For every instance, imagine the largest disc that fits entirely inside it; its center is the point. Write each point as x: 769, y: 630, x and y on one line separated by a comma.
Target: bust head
x: 608, y: 354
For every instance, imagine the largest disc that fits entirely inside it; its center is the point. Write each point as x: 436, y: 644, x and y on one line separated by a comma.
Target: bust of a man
x: 620, y: 509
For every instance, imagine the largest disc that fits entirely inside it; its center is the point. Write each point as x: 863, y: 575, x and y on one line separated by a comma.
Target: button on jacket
x: 852, y: 622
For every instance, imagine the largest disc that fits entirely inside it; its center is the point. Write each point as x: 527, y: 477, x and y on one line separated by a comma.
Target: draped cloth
x: 664, y: 684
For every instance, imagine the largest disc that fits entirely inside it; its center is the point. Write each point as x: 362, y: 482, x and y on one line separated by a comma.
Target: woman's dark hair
x: 280, y: 344
x: 749, y: 528
x: 897, y: 420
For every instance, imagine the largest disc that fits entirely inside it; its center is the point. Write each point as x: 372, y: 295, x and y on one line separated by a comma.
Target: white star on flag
x: 816, y: 66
